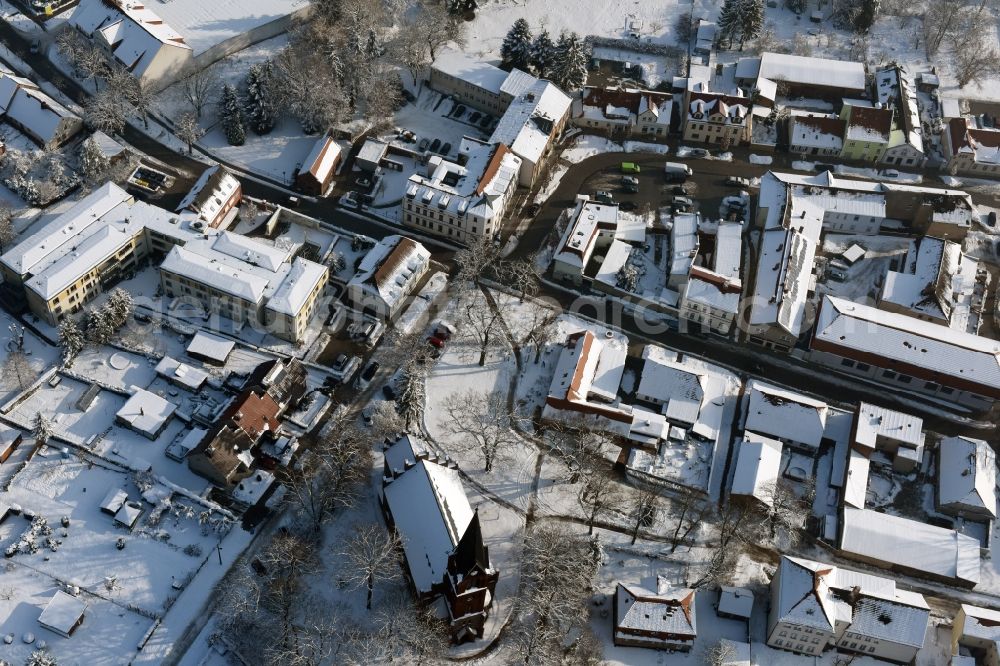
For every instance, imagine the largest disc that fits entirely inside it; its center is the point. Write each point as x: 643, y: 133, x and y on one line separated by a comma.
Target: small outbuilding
x: 316, y: 173
x: 63, y: 614
x: 370, y: 155
x: 735, y: 602
x: 128, y: 514
x: 210, y: 348
x: 146, y: 413
x: 113, y: 501
x: 181, y: 374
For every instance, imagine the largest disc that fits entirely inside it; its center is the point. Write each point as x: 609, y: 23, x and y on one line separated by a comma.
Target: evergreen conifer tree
x: 543, y: 54
x: 751, y: 20
x: 729, y: 22
x: 516, y: 48
x: 231, y: 116
x: 260, y: 102
x: 570, y: 69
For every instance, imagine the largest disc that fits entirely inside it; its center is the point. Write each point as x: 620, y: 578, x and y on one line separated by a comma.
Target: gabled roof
x: 785, y: 414
x: 967, y: 475
x: 671, y: 614
x: 757, y: 468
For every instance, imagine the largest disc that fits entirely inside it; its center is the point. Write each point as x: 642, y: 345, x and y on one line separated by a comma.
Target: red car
x: 436, y: 342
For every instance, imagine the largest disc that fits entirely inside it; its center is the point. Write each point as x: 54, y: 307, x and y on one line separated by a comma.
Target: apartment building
x: 716, y: 118
x: 389, y: 273
x: 816, y: 606
x: 530, y: 126
x: 624, y: 112
x: 463, y: 201
x: 711, y: 295
x: 478, y: 84
x: 247, y: 281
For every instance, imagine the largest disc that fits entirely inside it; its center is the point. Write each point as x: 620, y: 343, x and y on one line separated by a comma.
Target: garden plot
x: 114, y: 367
x: 108, y: 628
x: 143, y: 574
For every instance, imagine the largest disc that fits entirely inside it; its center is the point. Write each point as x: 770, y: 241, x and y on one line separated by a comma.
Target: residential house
x: 624, y: 113
x: 895, y: 89
x: 62, y: 614
x: 909, y: 547
x: 816, y: 606
x: 389, y: 273
x: 146, y: 413
x: 938, y: 283
x: 711, y: 296
x: 907, y: 353
x: 316, y: 173
x: 531, y: 125
x: 715, y: 118
x: 662, y: 620
x: 803, y: 76
x: 463, y: 202
x: 977, y: 631
x: 867, y: 132
x: 792, y: 418
x: 967, y: 473
x: 595, y: 230
x: 758, y: 467
x: 898, y: 435
x: 480, y: 85
x: 970, y: 150
x: 24, y: 106
x: 214, y: 197
x: 135, y: 37
x: 423, y: 500
x: 816, y: 135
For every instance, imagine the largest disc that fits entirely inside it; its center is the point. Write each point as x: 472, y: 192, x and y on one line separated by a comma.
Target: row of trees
x: 563, y: 62
x: 740, y: 21
x: 100, y: 326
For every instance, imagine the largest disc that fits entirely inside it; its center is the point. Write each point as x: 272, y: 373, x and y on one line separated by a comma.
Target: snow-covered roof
x: 915, y: 545
x: 145, y: 412
x: 942, y: 354
x: 405, y: 452
x: 642, y: 610
x: 588, y: 366
x: 527, y: 124
x: 728, y: 253
x: 392, y: 268
x: 810, y: 71
x: 856, y: 479
x: 24, y: 257
x: 874, y: 423
x: 869, y: 124
x: 128, y: 513
x: 431, y: 512
x: 298, y: 284
x: 89, y: 252
x: 981, y: 623
x: 666, y: 380
x: 372, y: 151
x: 322, y: 158
x: 108, y: 146
x: 34, y: 111
x: 736, y: 601
x: 478, y: 187
x: 113, y: 500
x: 471, y: 70
x: 757, y: 468
x: 251, y: 251
x: 894, y: 86
x: 817, y: 132
x: 251, y: 489
x: 210, y: 193
x: 785, y: 414
x: 712, y: 290
x: 818, y: 595
x: 181, y: 373
x: 967, y: 475
x: 590, y: 218
x: 62, y: 612
x: 210, y: 346
x: 226, y: 276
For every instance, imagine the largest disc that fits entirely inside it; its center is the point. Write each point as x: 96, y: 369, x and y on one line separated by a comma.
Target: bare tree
x: 199, y: 89
x: 188, y: 130
x: 106, y: 111
x: 92, y: 63
x: 690, y: 510
x: 364, y: 647
x: 387, y: 422
x: 419, y: 635
x: 784, y: 509
x: 646, y: 506
x: 941, y: 19
x: 139, y: 93
x: 436, y: 26
x: 601, y: 493
x: 973, y: 56
x: 373, y: 554
x: 557, y: 576
x: 330, y: 476
x: 410, y: 50
x: 721, y: 653
x: 284, y: 566
x: 483, y: 421
x: 411, y: 394
x: 477, y: 261
x: 18, y: 372
x: 523, y: 276
x: 484, y: 319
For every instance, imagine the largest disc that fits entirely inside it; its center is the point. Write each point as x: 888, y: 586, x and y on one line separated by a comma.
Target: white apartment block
x: 817, y: 606
x: 463, y: 202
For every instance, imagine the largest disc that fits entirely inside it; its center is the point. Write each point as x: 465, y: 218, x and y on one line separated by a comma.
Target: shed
x: 210, y: 348
x: 181, y: 374
x: 113, y: 501
x: 128, y: 514
x: 63, y: 613
x: 146, y: 413
x: 253, y: 488
x: 370, y: 155
x: 735, y: 602
x: 928, y: 81
x: 853, y: 254
x: 10, y: 439
x: 88, y: 397
x: 316, y: 173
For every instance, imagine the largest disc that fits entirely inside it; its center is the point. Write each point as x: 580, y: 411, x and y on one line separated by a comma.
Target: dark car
x: 627, y: 206
x: 435, y: 144
x: 485, y: 122
x: 474, y: 117
x: 366, y: 376
x: 423, y: 144
x: 445, y: 149
x: 389, y: 392
x: 458, y: 111
x: 678, y: 190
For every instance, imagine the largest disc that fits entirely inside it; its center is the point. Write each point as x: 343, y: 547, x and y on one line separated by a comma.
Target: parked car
x: 678, y: 190
x: 474, y: 117
x: 364, y: 380
x: 389, y: 391
x: 422, y: 146
x: 738, y: 181
x: 700, y: 153
x: 436, y: 342
x: 603, y: 196
x: 630, y: 184
x: 445, y: 149
x: 627, y: 206
x: 435, y: 144
x: 630, y: 167
x: 458, y: 111
x: 890, y: 173
x: 682, y: 204
x: 675, y: 171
